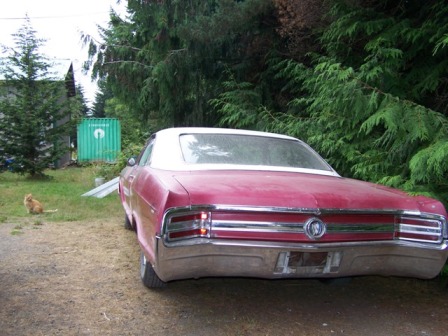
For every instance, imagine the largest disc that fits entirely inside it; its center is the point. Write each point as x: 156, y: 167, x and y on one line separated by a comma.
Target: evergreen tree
x: 363, y: 81
x: 80, y: 96
x: 101, y: 96
x: 166, y: 61
x: 371, y: 97
x: 32, y: 106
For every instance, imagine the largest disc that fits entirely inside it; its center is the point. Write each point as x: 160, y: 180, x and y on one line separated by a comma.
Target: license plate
x: 305, y: 259
x: 308, y: 262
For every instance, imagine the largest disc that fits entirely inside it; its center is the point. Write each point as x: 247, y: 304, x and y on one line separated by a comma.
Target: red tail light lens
x: 419, y: 229
x: 188, y: 225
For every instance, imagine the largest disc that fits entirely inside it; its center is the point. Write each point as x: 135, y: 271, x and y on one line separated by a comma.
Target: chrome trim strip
x: 311, y: 246
x: 309, y: 211
x: 439, y: 241
x: 418, y: 229
x: 288, y: 210
x: 248, y: 226
x: 332, y: 228
x: 257, y: 168
x: 361, y: 228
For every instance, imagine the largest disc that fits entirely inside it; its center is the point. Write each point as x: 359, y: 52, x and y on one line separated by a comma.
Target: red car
x: 211, y: 202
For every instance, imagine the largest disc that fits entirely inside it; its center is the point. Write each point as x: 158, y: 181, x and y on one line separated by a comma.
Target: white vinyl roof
x: 167, y: 153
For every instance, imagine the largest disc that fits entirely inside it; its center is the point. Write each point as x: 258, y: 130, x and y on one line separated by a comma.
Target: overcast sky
x: 60, y: 23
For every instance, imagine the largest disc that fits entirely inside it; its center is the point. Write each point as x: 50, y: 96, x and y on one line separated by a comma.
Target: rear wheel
x: 149, y: 277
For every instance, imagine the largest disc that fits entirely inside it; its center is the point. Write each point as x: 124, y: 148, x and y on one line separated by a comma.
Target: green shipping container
x: 99, y: 139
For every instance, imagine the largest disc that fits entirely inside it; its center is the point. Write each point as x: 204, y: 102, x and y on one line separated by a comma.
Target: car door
x: 131, y: 174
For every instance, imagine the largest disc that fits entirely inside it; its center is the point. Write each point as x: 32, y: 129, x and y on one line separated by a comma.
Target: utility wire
x: 53, y: 17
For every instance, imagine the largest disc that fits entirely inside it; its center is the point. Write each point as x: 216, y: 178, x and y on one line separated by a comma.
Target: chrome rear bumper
x: 223, y: 258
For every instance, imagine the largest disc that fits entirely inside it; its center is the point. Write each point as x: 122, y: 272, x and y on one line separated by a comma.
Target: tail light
x: 188, y: 225
x: 418, y: 229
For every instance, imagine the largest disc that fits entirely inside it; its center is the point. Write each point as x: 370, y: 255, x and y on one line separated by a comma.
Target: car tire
x: 127, y: 223
x: 149, y: 277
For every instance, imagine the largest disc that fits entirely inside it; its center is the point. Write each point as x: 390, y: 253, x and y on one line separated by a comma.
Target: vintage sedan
x: 208, y: 202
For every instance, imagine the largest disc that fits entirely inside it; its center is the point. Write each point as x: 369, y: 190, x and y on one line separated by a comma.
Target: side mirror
x: 132, y: 161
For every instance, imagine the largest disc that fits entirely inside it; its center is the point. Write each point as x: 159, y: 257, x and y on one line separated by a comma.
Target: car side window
x: 145, y: 159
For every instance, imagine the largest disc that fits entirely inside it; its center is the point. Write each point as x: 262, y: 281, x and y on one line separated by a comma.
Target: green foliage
x: 367, y: 133
x: 372, y: 100
x: 133, y: 136
x: 371, y: 97
x: 166, y: 60
x: 80, y: 97
x: 238, y: 105
x: 131, y: 130
x: 33, y: 105
x: 110, y: 171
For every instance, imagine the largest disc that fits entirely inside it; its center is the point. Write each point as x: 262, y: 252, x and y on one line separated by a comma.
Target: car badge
x: 314, y: 228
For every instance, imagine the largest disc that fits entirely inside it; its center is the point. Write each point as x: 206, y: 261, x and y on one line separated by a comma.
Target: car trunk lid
x: 291, y: 190
x: 304, y: 208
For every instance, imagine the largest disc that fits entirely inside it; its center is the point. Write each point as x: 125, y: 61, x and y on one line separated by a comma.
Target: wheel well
x: 134, y: 222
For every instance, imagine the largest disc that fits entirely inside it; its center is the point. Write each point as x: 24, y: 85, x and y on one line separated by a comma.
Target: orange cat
x: 34, y: 206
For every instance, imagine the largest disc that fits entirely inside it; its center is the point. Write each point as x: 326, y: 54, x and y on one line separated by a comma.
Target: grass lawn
x: 62, y: 191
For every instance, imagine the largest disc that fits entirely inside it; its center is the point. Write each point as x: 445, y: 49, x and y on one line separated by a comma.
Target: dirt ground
x: 83, y: 279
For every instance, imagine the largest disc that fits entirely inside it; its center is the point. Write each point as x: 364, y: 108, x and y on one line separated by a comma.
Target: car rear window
x: 238, y: 149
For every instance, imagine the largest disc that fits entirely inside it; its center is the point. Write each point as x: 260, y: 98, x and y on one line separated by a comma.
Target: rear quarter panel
x: 154, y: 191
